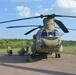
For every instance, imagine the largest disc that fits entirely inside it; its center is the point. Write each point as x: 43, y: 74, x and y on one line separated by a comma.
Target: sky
x: 15, y: 9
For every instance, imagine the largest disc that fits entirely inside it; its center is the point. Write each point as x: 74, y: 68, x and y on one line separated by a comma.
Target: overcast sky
x: 14, y: 9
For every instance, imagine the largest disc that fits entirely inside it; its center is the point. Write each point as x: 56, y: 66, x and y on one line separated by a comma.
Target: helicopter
x: 47, y: 39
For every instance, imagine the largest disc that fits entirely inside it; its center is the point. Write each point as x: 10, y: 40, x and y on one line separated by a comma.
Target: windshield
x: 56, y: 33
x: 44, y: 34
x: 49, y: 33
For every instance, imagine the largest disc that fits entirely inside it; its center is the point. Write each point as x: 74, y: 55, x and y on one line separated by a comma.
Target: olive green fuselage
x: 47, y: 39
x: 50, y: 44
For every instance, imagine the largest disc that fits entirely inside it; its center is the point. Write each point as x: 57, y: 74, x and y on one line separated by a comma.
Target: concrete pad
x: 17, y: 65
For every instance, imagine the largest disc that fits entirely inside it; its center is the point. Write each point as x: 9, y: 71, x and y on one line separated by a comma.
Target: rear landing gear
x: 58, y: 55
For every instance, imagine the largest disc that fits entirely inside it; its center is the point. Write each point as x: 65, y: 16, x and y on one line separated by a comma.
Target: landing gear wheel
x: 57, y: 55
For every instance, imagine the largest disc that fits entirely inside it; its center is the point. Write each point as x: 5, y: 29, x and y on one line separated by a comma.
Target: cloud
x: 63, y: 7
x: 44, y: 11
x: 66, y: 3
x: 23, y: 11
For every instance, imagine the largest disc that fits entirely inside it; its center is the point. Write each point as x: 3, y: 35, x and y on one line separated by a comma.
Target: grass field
x: 67, y: 50
x: 14, y: 50
x: 3, y: 51
x: 70, y: 50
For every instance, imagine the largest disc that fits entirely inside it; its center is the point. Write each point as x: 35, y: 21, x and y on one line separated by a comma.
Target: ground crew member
x: 9, y: 50
x: 27, y: 48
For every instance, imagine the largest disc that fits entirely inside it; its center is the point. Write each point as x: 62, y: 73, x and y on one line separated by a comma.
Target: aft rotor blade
x: 67, y: 28
x: 22, y: 26
x: 30, y: 31
x: 62, y: 26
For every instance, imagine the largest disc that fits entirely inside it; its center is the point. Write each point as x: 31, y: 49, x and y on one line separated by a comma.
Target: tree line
x: 15, y: 43
x: 18, y: 43
x: 68, y: 43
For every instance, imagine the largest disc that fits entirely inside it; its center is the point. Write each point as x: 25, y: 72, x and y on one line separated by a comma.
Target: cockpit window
x: 49, y: 33
x: 56, y: 33
x: 44, y: 34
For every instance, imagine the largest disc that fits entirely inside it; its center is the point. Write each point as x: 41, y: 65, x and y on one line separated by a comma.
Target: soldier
x: 27, y: 47
x: 9, y: 50
x: 21, y: 51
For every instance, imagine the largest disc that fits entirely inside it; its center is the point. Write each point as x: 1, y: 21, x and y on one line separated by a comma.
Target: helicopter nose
x: 51, y: 41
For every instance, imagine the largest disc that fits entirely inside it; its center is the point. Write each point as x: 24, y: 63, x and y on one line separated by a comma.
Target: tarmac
x: 17, y: 65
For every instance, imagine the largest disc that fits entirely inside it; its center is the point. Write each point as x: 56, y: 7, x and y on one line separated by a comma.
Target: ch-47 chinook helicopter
x: 47, y: 39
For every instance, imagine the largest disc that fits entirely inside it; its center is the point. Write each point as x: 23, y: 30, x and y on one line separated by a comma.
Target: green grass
x: 3, y: 51
x: 70, y: 50
x: 67, y: 50
x: 15, y: 51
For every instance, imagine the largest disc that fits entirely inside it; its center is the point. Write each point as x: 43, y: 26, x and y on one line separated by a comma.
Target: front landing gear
x: 58, y: 55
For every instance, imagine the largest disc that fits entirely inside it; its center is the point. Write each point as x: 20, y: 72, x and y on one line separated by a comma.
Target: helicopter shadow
x: 19, y: 59
x: 12, y: 59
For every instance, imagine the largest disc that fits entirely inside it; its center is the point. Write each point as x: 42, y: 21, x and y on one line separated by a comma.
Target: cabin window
x: 44, y: 34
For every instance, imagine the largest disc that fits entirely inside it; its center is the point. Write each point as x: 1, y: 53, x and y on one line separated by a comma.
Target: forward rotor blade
x: 19, y: 19
x: 54, y: 15
x: 41, y: 16
x: 67, y: 28
x: 65, y: 16
x: 62, y: 26
x: 30, y: 31
x: 22, y: 26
